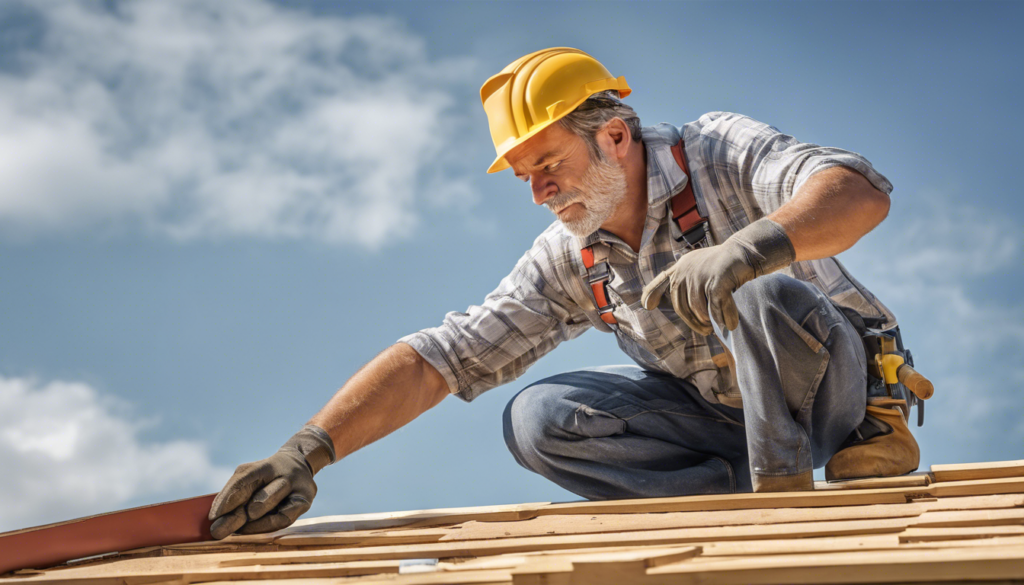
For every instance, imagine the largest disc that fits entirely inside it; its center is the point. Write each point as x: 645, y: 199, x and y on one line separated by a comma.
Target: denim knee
x: 525, y: 422
x: 550, y: 417
x: 776, y: 291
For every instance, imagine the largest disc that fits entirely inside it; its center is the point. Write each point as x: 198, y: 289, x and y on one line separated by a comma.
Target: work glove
x: 282, y: 484
x: 703, y: 280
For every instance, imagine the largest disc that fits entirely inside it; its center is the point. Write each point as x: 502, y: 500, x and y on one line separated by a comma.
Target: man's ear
x: 614, y: 138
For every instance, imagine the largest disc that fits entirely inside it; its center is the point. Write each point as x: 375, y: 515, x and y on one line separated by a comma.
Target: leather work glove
x: 704, y: 279
x: 282, y: 484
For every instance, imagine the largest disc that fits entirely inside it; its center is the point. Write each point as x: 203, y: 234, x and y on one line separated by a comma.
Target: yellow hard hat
x: 536, y: 90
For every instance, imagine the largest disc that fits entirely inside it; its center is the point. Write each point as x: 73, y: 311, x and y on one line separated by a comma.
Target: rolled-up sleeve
x: 769, y: 167
x: 523, y: 319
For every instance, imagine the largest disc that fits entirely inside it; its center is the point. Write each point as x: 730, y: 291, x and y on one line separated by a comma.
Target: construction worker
x: 705, y: 249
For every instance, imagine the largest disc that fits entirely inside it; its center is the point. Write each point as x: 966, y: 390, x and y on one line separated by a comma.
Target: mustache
x: 563, y: 200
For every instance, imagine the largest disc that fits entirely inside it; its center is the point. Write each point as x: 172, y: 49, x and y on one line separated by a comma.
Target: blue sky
x: 212, y: 214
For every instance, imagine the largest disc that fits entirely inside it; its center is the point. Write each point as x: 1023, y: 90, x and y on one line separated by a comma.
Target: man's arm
x: 393, y: 389
x: 832, y: 210
x: 384, y: 395
x: 837, y: 199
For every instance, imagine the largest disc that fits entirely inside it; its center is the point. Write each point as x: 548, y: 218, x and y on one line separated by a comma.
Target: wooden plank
x: 974, y: 542
x: 138, y: 566
x: 579, y: 524
x: 165, y: 523
x: 939, y: 519
x: 958, y: 532
x: 385, y: 520
x: 973, y: 502
x: 986, y: 470
x: 620, y: 567
x: 801, y: 545
x: 1011, y: 485
x: 436, y: 578
x: 478, y: 548
x: 625, y: 567
x: 603, y: 523
x: 1005, y: 485
x: 909, y: 480
x: 743, y: 501
x: 254, y: 573
x: 966, y: 564
x: 363, y: 538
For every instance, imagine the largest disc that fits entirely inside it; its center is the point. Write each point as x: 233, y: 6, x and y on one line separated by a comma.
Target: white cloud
x: 231, y: 118
x: 942, y: 271
x: 68, y: 451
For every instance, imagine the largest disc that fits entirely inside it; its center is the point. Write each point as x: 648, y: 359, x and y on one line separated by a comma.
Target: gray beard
x: 602, y: 189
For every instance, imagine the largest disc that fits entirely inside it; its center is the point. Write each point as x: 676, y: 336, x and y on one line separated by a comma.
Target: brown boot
x: 893, y: 452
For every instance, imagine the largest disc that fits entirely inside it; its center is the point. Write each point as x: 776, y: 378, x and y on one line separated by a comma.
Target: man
x: 751, y: 369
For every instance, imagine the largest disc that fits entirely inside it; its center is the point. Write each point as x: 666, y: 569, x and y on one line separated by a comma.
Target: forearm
x: 831, y: 211
x: 393, y: 389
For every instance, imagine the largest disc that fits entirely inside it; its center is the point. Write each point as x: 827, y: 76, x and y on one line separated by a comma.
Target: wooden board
x: 801, y: 545
x: 744, y: 501
x: 968, y: 471
x: 850, y: 567
x: 481, y: 548
x: 166, y: 523
x: 605, y: 523
x: 597, y: 523
x: 914, y: 534
x: 939, y: 519
x: 967, y: 524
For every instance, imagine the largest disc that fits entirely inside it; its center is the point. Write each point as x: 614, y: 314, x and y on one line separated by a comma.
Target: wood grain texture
x: 850, y: 567
x: 801, y: 545
x: 481, y: 548
x: 605, y: 523
x: 968, y: 471
x: 967, y: 524
x: 958, y: 532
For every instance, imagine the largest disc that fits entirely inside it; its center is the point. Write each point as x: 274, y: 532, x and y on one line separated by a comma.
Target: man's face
x: 581, y: 191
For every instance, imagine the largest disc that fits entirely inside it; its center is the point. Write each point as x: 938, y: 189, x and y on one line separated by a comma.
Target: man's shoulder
x: 711, y: 126
x: 724, y: 126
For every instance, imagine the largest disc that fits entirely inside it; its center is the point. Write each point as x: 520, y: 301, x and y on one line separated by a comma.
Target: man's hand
x: 282, y: 483
x: 703, y: 280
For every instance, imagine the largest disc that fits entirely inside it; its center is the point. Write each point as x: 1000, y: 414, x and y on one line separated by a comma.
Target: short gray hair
x: 594, y: 113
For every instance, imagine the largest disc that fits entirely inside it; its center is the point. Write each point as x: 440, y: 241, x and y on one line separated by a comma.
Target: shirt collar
x: 664, y: 177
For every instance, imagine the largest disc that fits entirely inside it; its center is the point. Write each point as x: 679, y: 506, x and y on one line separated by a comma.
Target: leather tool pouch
x: 872, y: 335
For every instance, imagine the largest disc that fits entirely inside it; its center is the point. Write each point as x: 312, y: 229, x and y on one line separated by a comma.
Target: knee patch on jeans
x: 593, y: 423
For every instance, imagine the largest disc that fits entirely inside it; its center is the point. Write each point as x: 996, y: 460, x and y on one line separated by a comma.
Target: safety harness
x: 687, y: 226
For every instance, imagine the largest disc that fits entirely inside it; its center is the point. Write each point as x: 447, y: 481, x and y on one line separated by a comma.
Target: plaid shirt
x: 742, y: 170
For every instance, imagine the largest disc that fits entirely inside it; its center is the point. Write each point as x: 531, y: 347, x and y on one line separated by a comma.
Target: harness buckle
x: 694, y: 237
x: 600, y: 272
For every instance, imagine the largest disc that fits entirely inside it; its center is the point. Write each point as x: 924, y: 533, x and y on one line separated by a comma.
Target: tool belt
x: 891, y: 364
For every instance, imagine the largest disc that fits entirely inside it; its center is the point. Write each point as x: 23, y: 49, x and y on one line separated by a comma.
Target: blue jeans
x: 625, y: 432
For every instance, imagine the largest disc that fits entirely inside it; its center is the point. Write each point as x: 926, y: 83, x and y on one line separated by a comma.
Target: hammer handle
x: 917, y: 383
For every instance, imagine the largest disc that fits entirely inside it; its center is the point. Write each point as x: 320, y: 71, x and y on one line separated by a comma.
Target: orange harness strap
x: 692, y: 227
x: 685, y: 215
x: 598, y: 279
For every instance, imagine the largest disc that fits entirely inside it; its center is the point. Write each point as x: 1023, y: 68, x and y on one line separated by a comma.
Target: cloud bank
x: 69, y: 451
x: 235, y: 118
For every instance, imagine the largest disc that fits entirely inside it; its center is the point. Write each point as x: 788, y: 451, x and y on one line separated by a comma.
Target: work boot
x: 890, y: 450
